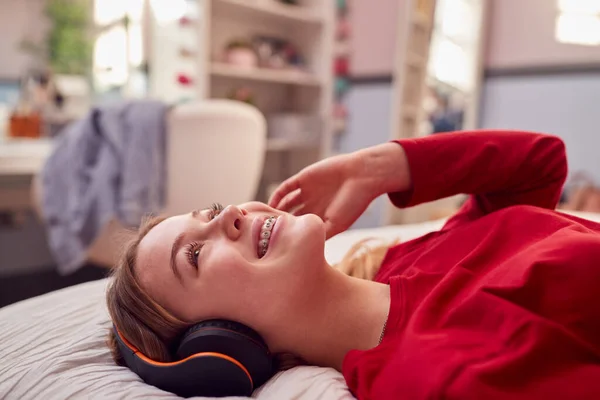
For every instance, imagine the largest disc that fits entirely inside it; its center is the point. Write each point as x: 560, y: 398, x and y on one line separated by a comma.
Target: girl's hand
x: 339, y: 189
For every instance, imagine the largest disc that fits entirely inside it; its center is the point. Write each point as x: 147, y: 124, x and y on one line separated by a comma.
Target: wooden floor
x: 20, y: 287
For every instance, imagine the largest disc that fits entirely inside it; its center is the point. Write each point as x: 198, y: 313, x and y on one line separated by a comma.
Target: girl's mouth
x: 264, y: 237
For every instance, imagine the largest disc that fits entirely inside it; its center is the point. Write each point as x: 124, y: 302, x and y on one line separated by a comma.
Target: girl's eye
x: 193, y: 249
x: 214, y: 210
x: 193, y: 252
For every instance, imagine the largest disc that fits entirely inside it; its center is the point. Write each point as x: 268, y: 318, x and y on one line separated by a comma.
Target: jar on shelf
x: 241, y: 54
x: 25, y: 125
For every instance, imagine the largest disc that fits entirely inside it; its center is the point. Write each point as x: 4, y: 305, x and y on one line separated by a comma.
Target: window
x: 118, y: 48
x: 578, y: 22
x: 169, y: 10
x: 109, y: 11
x: 110, y: 58
x: 454, y: 42
x: 450, y: 63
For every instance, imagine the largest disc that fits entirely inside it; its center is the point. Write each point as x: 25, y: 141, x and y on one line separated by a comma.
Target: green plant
x: 70, y: 48
x: 67, y: 47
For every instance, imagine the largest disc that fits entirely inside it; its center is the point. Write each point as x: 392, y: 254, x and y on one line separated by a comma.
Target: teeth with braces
x: 265, y: 235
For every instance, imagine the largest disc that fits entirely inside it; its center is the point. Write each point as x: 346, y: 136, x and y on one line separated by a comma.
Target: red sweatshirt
x: 504, y: 301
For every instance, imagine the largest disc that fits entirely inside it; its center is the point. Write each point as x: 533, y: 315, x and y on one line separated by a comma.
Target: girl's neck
x: 338, y: 314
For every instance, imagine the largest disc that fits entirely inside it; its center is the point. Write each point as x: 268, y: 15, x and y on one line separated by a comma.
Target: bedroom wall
x: 535, y: 83
x: 565, y: 105
x: 369, y: 99
x: 373, y: 36
x: 19, y: 20
x: 369, y: 124
x: 521, y: 34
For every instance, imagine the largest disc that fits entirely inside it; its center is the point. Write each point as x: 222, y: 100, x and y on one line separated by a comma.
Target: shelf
x: 290, y: 77
x: 271, y: 8
x: 287, y: 145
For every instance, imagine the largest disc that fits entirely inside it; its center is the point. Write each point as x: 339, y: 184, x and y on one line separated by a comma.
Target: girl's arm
x: 498, y: 168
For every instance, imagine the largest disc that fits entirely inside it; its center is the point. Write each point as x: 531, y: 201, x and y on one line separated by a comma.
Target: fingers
x: 300, y: 210
x: 283, y: 190
x: 291, y: 201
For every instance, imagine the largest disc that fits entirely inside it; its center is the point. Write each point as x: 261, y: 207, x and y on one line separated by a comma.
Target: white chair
x: 215, y: 153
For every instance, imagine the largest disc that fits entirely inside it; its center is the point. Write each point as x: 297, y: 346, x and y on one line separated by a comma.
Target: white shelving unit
x: 412, y: 72
x: 297, y: 78
x: 414, y: 34
x: 309, y: 26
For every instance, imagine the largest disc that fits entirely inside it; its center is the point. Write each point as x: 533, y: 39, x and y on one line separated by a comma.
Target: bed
x: 53, y: 346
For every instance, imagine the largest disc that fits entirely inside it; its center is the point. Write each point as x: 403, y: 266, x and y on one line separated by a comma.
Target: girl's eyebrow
x: 176, y: 245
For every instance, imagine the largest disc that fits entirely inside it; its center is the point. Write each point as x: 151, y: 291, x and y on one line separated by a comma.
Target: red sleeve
x: 498, y: 168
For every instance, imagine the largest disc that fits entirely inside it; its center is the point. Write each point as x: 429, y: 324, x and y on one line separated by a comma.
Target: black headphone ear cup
x: 203, y: 374
x: 229, y: 325
x: 233, y: 340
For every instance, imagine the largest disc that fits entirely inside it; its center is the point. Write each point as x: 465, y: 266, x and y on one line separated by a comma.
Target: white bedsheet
x: 53, y: 346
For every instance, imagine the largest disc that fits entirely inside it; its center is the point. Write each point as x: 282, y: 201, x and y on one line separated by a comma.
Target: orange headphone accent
x: 214, y: 358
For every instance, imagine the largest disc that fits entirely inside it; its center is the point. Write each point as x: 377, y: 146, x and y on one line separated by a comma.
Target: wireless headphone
x: 214, y: 358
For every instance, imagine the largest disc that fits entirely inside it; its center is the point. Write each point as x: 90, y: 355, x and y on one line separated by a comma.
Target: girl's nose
x: 232, y: 221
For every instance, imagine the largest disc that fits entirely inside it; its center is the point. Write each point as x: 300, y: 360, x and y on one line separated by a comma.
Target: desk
x: 23, y: 157
x: 23, y: 243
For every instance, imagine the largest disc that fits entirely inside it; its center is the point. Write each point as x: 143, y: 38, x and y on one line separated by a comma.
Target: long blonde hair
x: 154, y: 331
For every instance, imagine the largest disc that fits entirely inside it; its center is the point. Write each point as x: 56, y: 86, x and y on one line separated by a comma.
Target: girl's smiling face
x: 230, y: 263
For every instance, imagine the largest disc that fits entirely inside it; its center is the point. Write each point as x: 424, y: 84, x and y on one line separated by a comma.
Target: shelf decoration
x: 185, y: 80
x: 186, y: 21
x: 242, y: 94
x: 264, y: 52
x: 341, y: 67
x: 274, y: 52
x: 241, y: 54
x: 186, y: 53
x: 342, y: 85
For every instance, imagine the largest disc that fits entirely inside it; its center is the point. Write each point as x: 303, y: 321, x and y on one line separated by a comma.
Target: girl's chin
x: 303, y: 228
x: 312, y: 220
x: 315, y: 227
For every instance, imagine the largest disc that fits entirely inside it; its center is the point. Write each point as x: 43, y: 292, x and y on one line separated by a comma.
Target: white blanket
x: 53, y: 346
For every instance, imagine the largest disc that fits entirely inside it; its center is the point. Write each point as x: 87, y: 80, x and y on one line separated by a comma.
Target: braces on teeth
x: 265, y: 234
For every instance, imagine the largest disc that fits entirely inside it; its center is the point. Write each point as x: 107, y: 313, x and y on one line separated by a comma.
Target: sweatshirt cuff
x: 417, y: 167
